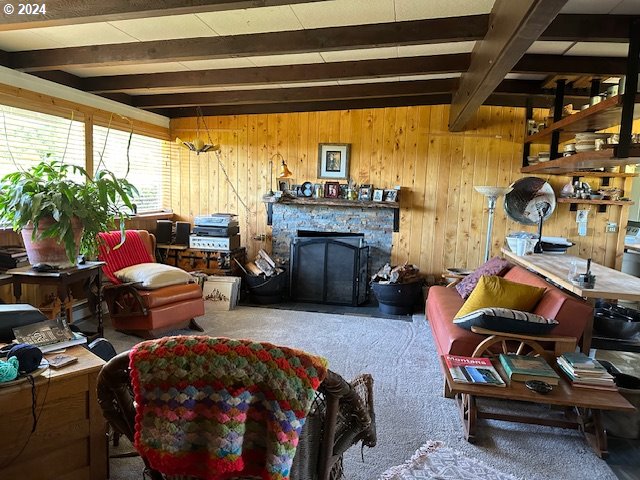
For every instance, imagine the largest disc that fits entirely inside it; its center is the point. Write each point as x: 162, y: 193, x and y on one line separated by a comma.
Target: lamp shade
x: 284, y: 171
x: 489, y: 191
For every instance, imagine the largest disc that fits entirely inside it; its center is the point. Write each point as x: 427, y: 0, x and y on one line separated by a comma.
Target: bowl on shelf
x: 595, y: 196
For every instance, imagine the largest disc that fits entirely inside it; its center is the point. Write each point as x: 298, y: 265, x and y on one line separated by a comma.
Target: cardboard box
x: 221, y: 292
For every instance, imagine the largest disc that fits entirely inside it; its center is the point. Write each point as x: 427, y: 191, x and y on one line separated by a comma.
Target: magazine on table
x: 473, y: 370
x: 48, y: 336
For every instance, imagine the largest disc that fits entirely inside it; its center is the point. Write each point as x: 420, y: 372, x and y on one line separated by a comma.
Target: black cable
x: 35, y: 417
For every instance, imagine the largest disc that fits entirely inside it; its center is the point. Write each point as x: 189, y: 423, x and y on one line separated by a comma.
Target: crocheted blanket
x: 215, y: 408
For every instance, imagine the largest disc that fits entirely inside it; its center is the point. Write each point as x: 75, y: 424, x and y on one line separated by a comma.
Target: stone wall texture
x: 375, y: 223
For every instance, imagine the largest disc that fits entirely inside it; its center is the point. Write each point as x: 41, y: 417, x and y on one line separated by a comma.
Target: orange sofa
x: 573, y: 314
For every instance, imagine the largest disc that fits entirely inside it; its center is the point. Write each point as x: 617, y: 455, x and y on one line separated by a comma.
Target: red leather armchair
x: 145, y: 313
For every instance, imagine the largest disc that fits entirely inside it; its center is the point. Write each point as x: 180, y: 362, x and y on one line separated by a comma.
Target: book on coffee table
x: 521, y: 368
x: 473, y: 370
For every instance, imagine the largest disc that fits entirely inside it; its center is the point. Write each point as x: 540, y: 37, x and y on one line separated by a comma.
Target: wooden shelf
x: 585, y: 161
x: 593, y: 202
x: 337, y: 202
x: 602, y: 115
x: 587, y: 173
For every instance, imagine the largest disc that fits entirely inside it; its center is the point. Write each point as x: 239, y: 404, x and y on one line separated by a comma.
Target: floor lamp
x: 492, y: 194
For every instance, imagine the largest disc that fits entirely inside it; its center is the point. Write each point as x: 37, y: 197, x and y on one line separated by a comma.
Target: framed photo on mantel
x: 333, y: 160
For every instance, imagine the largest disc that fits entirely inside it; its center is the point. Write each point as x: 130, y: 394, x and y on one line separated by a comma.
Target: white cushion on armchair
x: 150, y: 276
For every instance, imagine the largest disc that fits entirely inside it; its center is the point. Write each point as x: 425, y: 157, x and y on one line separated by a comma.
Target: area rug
x: 409, y: 405
x: 435, y: 461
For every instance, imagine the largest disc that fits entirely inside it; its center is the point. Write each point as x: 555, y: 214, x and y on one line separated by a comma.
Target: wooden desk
x: 584, y: 406
x: 610, y: 284
x: 70, y: 437
x: 90, y: 271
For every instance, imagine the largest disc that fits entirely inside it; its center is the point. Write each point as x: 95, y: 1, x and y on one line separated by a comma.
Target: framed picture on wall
x: 333, y: 160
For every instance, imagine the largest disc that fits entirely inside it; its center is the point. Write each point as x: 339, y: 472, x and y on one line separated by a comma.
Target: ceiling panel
x: 417, y: 9
x: 590, y: 6
x: 215, y: 64
x: 429, y: 76
x: 330, y: 83
x: 435, y: 49
x: 362, y: 54
x: 550, y: 48
x: 368, y: 80
x: 85, y: 34
x: 18, y: 40
x: 344, y: 12
x: 126, y: 69
x: 599, y: 49
x: 293, y: 59
x: 252, y: 20
x: 525, y: 76
x: 165, y: 28
x: 627, y: 7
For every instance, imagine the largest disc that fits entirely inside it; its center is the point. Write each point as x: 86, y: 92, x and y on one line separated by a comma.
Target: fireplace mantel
x: 333, y: 202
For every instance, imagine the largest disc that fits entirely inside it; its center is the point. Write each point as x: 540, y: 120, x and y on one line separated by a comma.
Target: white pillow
x: 150, y: 276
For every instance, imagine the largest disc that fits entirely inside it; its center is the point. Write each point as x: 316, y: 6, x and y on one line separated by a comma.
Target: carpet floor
x: 410, y: 408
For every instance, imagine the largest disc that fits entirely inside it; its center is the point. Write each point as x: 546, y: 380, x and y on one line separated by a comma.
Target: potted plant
x: 60, y: 209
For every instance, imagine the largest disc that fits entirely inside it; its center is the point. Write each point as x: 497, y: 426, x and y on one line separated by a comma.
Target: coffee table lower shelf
x: 588, y: 421
x: 580, y: 408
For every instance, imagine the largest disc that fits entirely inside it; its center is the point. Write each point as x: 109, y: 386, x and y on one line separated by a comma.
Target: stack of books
x: 473, y: 370
x: 585, y: 372
x: 520, y: 368
x: 12, y: 257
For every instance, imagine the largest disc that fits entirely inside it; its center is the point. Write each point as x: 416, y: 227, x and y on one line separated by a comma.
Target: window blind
x: 28, y: 137
x: 148, y: 164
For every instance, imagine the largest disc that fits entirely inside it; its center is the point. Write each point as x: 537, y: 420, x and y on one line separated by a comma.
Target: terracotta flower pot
x: 49, y: 250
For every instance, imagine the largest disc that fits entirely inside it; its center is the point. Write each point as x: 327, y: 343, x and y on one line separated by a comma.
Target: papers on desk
x: 48, y: 336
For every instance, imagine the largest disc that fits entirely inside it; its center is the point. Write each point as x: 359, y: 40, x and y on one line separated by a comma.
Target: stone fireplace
x: 375, y: 221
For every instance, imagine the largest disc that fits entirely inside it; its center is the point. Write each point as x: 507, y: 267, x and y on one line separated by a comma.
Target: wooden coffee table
x: 582, y: 407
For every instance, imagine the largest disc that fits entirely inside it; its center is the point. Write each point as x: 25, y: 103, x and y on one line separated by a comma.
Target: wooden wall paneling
x: 393, y: 175
x: 443, y: 219
x: 242, y: 148
x: 428, y: 226
x: 419, y: 193
x: 407, y: 180
x: 441, y: 197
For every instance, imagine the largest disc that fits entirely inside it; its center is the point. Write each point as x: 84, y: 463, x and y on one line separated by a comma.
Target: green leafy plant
x: 64, y: 192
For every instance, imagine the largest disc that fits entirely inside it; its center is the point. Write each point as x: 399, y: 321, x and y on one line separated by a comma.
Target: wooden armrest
x: 540, y: 338
x: 561, y: 344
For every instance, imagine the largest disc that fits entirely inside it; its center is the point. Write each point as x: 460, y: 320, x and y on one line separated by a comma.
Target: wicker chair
x: 341, y: 416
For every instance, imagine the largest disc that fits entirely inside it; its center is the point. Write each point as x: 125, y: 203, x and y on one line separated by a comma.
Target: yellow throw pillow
x: 496, y: 292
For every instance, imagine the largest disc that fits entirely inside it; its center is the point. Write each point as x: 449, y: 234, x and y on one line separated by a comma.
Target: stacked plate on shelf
x: 586, y: 141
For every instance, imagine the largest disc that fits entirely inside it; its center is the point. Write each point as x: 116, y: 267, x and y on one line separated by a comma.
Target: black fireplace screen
x: 329, y: 270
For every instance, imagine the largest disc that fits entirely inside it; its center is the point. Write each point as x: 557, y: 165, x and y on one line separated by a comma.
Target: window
x: 148, y: 164
x: 28, y: 137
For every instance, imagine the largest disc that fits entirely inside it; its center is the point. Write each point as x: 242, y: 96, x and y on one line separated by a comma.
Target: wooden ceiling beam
x: 570, y: 65
x: 395, y: 89
x: 301, y: 94
x: 589, y: 28
x: 388, y: 67
x: 432, y: 99
x: 514, y: 26
x: 430, y: 31
x: 498, y: 99
x: 74, y: 12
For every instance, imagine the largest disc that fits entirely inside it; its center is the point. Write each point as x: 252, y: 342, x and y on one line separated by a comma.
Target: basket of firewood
x: 397, y: 289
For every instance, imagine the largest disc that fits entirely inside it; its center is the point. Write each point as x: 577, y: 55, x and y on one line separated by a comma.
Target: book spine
x: 504, y: 361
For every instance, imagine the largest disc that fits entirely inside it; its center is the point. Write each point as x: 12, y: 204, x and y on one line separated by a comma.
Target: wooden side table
x: 63, y: 279
x: 69, y: 440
